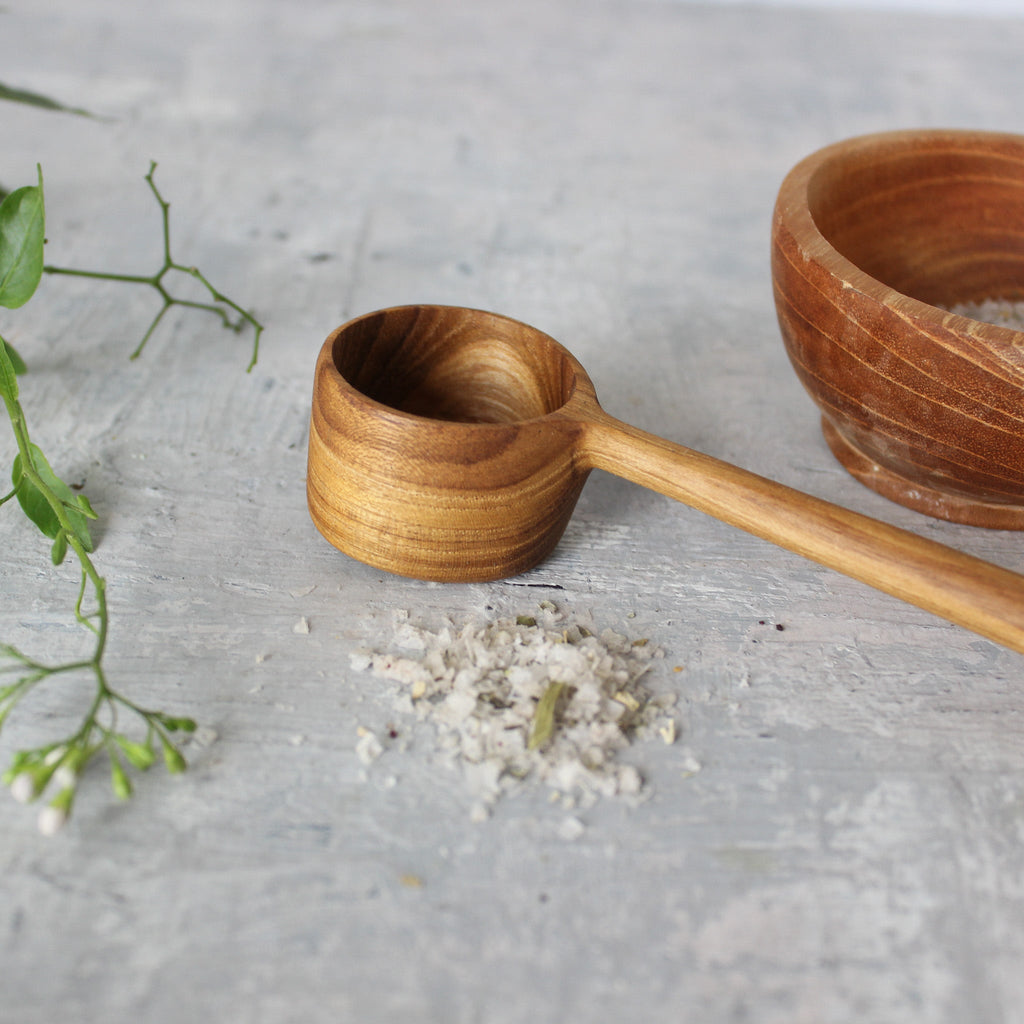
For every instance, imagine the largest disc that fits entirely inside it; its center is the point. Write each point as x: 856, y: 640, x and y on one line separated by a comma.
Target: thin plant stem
x: 221, y: 306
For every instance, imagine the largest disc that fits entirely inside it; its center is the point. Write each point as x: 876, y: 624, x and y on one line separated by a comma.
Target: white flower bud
x: 51, y: 820
x: 23, y: 787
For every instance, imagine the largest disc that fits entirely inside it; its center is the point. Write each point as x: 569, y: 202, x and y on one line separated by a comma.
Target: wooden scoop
x: 452, y: 444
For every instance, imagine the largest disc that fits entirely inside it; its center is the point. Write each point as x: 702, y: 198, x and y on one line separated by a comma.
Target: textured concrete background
x: 850, y: 848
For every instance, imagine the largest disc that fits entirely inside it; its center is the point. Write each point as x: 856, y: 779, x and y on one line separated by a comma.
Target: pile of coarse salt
x: 528, y: 698
x: 1001, y: 312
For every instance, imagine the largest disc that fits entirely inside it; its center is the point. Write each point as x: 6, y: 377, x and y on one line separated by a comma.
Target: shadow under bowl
x: 874, y: 240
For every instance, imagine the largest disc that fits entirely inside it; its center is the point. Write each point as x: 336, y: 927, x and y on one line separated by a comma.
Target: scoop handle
x: 982, y: 597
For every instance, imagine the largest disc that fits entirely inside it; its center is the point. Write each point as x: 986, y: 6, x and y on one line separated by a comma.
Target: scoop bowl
x: 438, y: 446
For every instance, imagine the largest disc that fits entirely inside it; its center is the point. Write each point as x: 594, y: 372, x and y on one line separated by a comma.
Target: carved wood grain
x: 452, y: 445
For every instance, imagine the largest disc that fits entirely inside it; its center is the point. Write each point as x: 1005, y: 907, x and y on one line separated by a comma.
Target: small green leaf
x: 9, y: 360
x: 16, y: 361
x: 87, y: 510
x: 22, y: 234
x: 32, y: 502
x: 36, y: 506
x: 60, y: 548
x: 35, y: 99
x: 544, y: 718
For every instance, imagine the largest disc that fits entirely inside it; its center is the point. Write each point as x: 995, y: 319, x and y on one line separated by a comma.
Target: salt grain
x: 571, y: 829
x: 479, y: 686
x: 360, y: 660
x: 368, y: 747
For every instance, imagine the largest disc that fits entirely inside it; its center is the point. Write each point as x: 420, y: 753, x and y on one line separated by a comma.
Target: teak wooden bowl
x: 871, y: 238
x: 451, y: 444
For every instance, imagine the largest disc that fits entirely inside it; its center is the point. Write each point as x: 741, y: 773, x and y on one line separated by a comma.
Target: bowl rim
x: 793, y: 212
x: 331, y: 382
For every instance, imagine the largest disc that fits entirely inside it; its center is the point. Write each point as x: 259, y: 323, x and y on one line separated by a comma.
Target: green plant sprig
x: 63, y: 517
x: 156, y: 281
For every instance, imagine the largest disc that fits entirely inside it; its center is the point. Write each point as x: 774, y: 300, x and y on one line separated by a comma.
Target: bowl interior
x: 939, y: 218
x: 464, y: 366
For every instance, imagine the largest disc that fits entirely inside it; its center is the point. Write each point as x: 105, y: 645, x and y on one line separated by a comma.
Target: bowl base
x: 954, y: 508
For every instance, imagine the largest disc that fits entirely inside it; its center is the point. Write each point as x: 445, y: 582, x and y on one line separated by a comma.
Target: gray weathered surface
x: 851, y: 848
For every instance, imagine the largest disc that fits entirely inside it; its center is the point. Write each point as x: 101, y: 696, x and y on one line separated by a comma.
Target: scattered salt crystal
x: 360, y: 661
x: 410, y: 638
x: 401, y: 670
x: 368, y: 747
x: 570, y: 829
x: 629, y: 780
x: 483, y: 778
x: 404, y: 704
x: 458, y: 707
x: 302, y: 626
